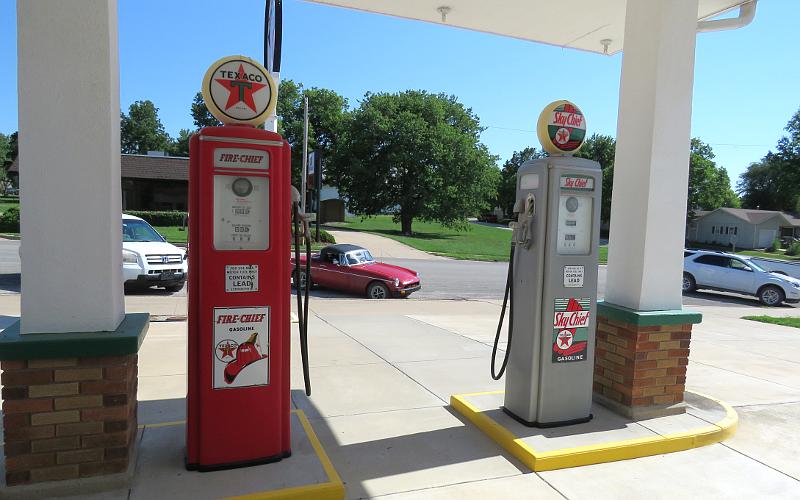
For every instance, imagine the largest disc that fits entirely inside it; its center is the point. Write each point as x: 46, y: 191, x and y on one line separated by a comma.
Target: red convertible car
x: 352, y: 268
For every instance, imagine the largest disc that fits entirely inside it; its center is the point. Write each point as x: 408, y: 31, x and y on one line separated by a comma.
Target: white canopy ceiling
x: 575, y: 24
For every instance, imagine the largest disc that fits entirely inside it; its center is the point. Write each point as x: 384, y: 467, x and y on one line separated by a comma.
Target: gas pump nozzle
x: 300, y: 220
x: 523, y: 227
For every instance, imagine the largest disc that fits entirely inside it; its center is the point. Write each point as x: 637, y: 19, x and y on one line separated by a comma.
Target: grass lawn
x: 175, y: 235
x: 478, y: 243
x: 7, y: 202
x: 794, y: 322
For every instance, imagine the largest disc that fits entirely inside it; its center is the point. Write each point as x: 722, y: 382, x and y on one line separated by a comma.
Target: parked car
x: 734, y: 273
x: 148, y: 260
x: 352, y: 268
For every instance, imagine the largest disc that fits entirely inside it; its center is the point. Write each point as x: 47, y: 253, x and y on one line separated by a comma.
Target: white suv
x: 734, y: 273
x: 147, y: 258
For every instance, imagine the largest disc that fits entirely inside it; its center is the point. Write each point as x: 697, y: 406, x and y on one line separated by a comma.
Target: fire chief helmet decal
x: 239, y: 90
x: 247, y: 353
x: 570, y: 330
x: 561, y: 128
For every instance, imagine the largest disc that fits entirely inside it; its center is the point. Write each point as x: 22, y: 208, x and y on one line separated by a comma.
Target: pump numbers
x: 573, y: 276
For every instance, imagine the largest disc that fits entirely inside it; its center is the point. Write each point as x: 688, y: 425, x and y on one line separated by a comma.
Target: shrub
x: 160, y: 218
x: 324, y: 236
x: 776, y: 245
x: 794, y: 249
x: 9, y: 221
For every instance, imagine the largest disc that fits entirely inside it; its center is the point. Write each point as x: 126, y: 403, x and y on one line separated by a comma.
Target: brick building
x: 149, y: 182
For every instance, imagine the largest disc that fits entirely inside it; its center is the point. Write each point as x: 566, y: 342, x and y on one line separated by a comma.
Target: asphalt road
x: 441, y: 279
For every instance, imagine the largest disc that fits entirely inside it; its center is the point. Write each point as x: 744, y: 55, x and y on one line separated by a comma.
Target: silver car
x: 734, y: 273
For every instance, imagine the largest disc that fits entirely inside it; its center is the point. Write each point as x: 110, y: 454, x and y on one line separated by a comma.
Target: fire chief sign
x: 241, y: 347
x: 570, y: 330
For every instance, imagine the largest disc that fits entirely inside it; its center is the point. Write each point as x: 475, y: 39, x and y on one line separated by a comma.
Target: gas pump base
x: 608, y: 437
x: 546, y: 425
x: 308, y: 473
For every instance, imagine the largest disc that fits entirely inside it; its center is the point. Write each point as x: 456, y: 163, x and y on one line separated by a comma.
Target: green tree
x: 180, y: 146
x: 141, y: 130
x: 7, y: 154
x: 602, y: 148
x: 326, y: 117
x: 201, y: 115
x: 416, y: 155
x: 5, y: 151
x: 507, y: 185
x: 709, y: 185
x: 774, y: 182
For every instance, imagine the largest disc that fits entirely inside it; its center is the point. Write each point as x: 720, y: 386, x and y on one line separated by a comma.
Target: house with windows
x: 742, y: 227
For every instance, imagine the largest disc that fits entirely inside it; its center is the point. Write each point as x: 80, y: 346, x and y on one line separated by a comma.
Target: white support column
x: 651, y: 167
x: 69, y: 157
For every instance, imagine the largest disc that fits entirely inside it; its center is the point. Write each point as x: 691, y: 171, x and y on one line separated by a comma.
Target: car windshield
x: 138, y: 230
x: 359, y: 257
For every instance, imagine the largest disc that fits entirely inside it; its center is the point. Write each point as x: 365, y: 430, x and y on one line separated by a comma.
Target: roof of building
x: 168, y: 168
x: 753, y: 216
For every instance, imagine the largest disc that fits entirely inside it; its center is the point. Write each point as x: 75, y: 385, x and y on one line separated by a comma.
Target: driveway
x: 381, y: 247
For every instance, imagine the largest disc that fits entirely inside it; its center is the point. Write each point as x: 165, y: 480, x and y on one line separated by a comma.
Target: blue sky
x: 747, y: 82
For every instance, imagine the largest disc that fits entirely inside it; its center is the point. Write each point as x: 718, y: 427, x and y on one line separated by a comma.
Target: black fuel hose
x: 509, y: 292
x: 302, y: 309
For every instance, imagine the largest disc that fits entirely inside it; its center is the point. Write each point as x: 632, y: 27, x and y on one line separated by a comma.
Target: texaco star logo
x: 565, y: 339
x: 238, y: 90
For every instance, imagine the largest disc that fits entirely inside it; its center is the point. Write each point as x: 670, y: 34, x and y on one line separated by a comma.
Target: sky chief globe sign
x: 239, y: 91
x: 561, y: 128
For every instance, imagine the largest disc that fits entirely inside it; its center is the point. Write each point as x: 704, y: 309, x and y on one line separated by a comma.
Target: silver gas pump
x: 552, y: 286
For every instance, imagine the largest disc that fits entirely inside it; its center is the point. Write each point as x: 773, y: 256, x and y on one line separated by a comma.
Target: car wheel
x: 174, y: 288
x: 688, y: 285
x: 377, y: 290
x: 771, y: 296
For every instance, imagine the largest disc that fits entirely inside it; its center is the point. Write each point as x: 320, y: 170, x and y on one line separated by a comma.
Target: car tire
x: 174, y: 288
x: 689, y: 284
x: 771, y: 296
x: 377, y: 290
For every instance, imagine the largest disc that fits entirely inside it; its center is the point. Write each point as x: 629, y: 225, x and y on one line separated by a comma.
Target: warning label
x: 573, y: 276
x: 241, y: 347
x: 241, y: 278
x: 570, y: 330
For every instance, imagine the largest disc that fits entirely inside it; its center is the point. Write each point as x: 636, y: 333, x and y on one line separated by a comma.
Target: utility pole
x: 305, y: 155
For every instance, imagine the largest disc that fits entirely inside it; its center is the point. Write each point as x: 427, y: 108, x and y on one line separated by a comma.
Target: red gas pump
x: 239, y: 274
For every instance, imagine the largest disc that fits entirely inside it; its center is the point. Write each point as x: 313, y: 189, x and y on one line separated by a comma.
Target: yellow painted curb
x: 333, y: 489
x: 599, y: 453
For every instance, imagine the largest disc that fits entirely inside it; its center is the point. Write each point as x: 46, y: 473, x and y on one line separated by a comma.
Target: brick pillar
x: 68, y: 418
x: 640, y: 370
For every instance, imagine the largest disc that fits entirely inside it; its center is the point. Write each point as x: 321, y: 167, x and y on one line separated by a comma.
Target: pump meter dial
x: 242, y: 187
x: 572, y: 204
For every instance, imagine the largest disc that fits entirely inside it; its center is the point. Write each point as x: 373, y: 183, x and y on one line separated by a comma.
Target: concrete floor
x: 383, y: 371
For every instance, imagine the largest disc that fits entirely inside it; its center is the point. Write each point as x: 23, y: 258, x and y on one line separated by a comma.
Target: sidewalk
x: 383, y: 371
x: 381, y: 247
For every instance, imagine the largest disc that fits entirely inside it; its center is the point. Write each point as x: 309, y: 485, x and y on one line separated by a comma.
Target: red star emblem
x: 226, y: 350
x: 564, y: 341
x: 240, y: 89
x: 563, y: 136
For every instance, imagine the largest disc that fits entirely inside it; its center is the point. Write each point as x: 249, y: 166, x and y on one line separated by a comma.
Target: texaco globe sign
x: 239, y: 90
x: 561, y: 128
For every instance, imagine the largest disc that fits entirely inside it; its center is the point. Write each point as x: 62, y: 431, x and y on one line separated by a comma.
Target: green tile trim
x: 647, y: 318
x: 126, y: 339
